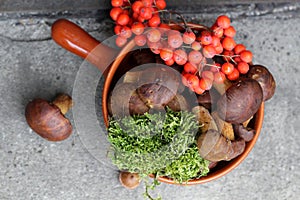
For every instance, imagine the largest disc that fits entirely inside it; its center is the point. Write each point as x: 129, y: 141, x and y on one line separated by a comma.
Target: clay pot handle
x: 76, y: 40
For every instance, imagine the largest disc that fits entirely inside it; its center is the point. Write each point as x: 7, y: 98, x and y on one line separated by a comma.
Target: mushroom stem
x: 63, y: 102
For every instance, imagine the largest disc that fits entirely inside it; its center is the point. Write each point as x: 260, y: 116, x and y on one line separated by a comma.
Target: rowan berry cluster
x: 193, y: 49
x: 133, y: 17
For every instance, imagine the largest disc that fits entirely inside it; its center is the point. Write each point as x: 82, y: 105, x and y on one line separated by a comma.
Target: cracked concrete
x: 32, y: 65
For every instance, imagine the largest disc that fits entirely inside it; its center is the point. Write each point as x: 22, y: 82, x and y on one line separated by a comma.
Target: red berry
x: 136, y: 6
x: 196, y: 46
x: 140, y: 40
x: 170, y: 62
x: 219, y: 77
x: 141, y: 19
x: 137, y: 28
x: 234, y: 75
x: 195, y: 57
x: 230, y: 31
x: 239, y: 48
x: 116, y: 3
x: 126, y: 12
x: 192, y: 81
x: 125, y: 32
x: 147, y: 3
x: 217, y: 31
x: 205, y: 83
x: 198, y: 90
x: 219, y: 48
x: 155, y: 47
x: 188, y: 37
x: 121, y: 41
x: 223, y: 21
x: 154, y: 21
x: 237, y: 59
x: 135, y: 16
x: 154, y: 35
x: 246, y: 56
x: 115, y: 12
x: 215, y: 41
x: 190, y: 68
x: 174, y: 39
x: 243, y: 67
x: 117, y: 29
x: 228, y: 43
x: 166, y: 54
x: 146, y: 13
x: 209, y: 51
x: 180, y: 56
x: 160, y: 4
x: 227, y: 68
x: 205, y: 38
x: 123, y: 19
x: 207, y: 75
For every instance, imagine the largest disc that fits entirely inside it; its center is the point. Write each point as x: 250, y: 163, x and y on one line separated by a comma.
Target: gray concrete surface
x: 32, y: 65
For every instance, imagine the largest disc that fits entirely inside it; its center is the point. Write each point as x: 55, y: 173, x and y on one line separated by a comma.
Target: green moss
x: 160, y: 143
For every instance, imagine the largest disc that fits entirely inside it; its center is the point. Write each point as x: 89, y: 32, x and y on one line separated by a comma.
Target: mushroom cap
x: 214, y: 147
x: 240, y: 101
x: 129, y: 180
x: 124, y: 101
x: 158, y: 85
x: 266, y: 80
x: 47, y: 120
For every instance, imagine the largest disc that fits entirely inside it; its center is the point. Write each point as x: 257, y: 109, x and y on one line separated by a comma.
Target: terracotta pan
x: 76, y: 40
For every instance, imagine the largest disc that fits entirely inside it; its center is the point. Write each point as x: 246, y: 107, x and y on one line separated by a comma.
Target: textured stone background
x: 32, y: 65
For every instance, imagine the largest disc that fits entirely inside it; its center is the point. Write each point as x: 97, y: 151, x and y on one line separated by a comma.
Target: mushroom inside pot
x: 266, y: 80
x: 240, y: 101
x: 213, y: 146
x: 124, y: 101
x: 158, y: 85
x: 150, y: 86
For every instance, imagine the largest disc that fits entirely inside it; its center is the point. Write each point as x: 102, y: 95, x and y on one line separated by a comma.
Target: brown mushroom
x: 224, y: 128
x: 124, y: 101
x: 129, y: 180
x: 214, y: 147
x: 48, y: 120
x: 158, y: 85
x: 246, y: 133
x: 240, y: 101
x: 178, y: 103
x: 266, y: 80
x: 206, y: 121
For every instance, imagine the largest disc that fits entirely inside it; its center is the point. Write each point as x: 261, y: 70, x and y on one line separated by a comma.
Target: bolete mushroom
x: 214, y: 147
x: 129, y: 180
x: 266, y: 80
x: 158, y: 85
x: 240, y: 101
x: 178, y: 103
x: 124, y: 101
x: 246, y: 133
x: 47, y: 118
x: 224, y: 128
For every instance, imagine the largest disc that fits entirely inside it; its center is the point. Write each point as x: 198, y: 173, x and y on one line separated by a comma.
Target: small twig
x: 230, y: 57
